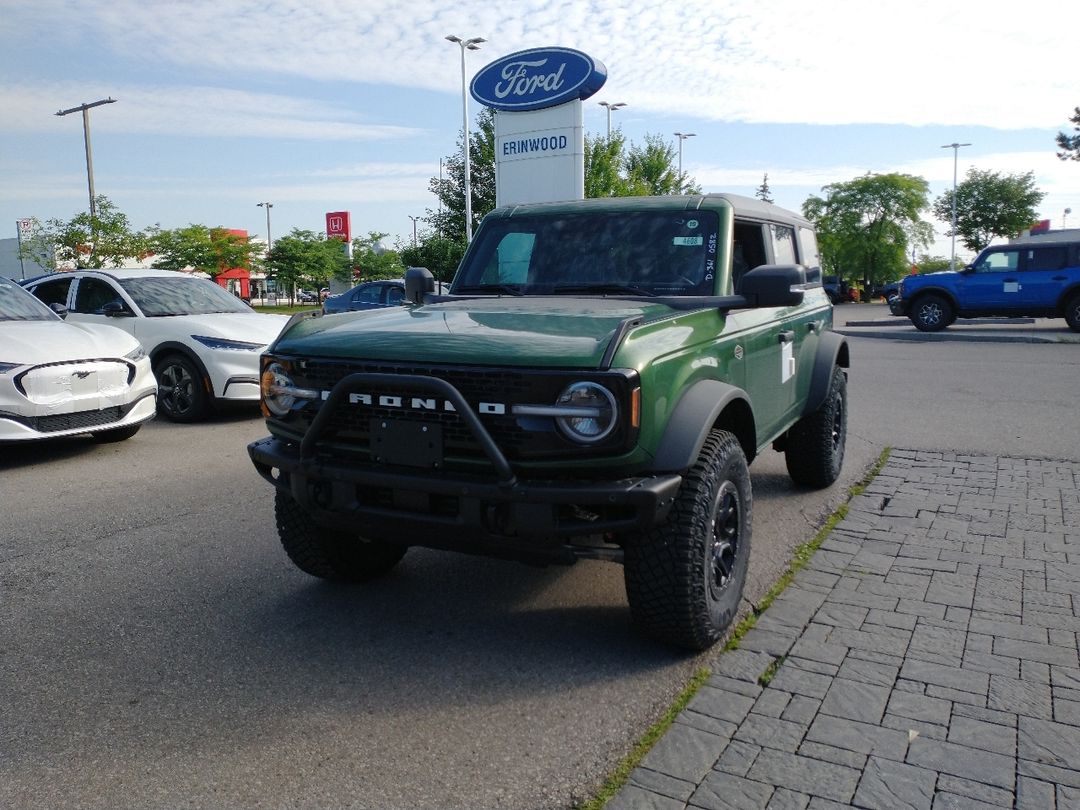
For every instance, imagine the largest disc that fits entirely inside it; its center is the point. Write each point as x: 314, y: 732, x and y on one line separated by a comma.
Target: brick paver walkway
x: 925, y: 658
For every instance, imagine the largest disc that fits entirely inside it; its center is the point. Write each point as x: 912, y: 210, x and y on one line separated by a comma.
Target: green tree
x: 104, y: 239
x: 652, y: 170
x: 372, y: 260
x: 437, y: 253
x: 197, y: 247
x: 763, y: 192
x: 305, y: 258
x: 989, y: 205
x: 932, y: 264
x: 1070, y: 144
x: 603, y: 165
x: 449, y: 220
x: 865, y: 226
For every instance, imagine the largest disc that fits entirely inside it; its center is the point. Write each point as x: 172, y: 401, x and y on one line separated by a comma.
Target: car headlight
x: 136, y: 354
x: 279, y: 393
x: 588, y: 412
x: 231, y: 345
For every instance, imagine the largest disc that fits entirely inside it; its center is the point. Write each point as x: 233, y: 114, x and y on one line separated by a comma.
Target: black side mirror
x: 773, y: 285
x: 114, y: 309
x: 59, y: 309
x: 418, y: 283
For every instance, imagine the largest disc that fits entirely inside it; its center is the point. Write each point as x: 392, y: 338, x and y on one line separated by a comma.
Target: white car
x: 63, y: 379
x: 203, y: 341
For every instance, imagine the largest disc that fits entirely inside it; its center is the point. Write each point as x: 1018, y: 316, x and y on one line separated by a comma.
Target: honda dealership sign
x: 539, y: 132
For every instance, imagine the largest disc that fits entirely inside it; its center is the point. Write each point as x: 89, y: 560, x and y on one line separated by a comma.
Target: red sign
x: 338, y: 226
x: 1042, y: 226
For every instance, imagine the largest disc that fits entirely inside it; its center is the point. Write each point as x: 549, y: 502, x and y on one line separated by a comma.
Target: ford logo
x: 538, y: 78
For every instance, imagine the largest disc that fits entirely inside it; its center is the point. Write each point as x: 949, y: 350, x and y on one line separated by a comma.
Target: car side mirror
x: 418, y: 282
x: 774, y: 285
x: 59, y: 309
x: 114, y: 309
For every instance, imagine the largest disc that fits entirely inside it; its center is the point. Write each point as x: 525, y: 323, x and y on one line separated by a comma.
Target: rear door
x: 1043, y: 277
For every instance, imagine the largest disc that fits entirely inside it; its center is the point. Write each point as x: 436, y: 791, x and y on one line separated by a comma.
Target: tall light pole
x: 267, y: 206
x: 471, y: 44
x: 414, y: 219
x: 85, y: 108
x: 682, y: 136
x: 610, y: 109
x: 956, y: 151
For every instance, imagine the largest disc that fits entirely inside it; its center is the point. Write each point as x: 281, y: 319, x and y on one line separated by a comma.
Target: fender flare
x: 832, y: 350
x: 695, y: 415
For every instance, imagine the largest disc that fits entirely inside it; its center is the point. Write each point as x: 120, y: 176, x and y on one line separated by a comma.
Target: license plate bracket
x: 409, y: 444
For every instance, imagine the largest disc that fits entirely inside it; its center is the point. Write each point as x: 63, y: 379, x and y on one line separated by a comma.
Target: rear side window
x: 808, y: 249
x: 53, y: 292
x: 783, y: 244
x: 1047, y: 258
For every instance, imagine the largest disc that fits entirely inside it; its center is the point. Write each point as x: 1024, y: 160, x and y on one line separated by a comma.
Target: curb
x: 929, y: 337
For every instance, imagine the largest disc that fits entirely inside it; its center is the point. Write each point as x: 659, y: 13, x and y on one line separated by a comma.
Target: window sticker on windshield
x: 688, y: 240
x: 692, y: 224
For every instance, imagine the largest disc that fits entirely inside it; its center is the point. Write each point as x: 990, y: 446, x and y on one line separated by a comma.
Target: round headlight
x: 590, y: 412
x: 276, y: 386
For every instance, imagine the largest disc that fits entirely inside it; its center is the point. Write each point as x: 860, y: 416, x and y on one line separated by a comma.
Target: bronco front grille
x: 517, y: 437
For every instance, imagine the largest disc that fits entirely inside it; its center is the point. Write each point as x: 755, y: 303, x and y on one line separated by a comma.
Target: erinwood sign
x: 539, y: 132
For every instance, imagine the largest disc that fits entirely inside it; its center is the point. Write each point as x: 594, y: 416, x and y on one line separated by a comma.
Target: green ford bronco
x: 593, y: 385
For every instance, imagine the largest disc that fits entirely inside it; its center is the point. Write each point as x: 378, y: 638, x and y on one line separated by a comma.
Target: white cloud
x: 965, y: 62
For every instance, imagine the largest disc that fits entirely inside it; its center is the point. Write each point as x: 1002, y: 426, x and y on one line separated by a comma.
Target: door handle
x: 812, y: 327
x: 788, y: 336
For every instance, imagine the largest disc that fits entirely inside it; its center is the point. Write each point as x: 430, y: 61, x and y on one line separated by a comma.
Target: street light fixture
x: 610, y: 109
x: 1064, y: 214
x: 956, y: 151
x: 267, y: 206
x: 682, y: 136
x: 471, y: 44
x: 414, y: 219
x: 85, y: 109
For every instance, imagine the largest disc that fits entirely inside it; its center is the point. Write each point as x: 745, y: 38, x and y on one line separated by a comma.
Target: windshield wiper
x: 504, y: 289
x: 610, y: 287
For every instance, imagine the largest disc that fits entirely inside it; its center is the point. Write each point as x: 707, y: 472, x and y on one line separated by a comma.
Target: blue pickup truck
x: 1034, y: 276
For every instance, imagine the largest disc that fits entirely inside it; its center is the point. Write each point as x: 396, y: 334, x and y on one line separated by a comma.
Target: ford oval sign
x: 538, y: 78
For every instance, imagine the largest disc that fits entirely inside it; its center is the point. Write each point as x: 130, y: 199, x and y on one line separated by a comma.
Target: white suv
x: 203, y: 341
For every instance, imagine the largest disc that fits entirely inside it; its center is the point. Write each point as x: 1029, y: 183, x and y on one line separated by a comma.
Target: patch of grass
x: 616, y: 780
x: 614, y: 783
x: 765, y: 678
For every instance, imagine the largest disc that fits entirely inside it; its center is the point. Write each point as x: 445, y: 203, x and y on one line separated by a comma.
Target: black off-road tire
x: 814, y: 450
x: 684, y: 579
x: 182, y: 395
x: 932, y: 312
x: 1072, y: 312
x: 329, y: 554
x: 116, y: 434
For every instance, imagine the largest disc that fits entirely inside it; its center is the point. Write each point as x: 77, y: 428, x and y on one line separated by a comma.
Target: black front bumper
x: 897, y: 305
x: 519, y: 519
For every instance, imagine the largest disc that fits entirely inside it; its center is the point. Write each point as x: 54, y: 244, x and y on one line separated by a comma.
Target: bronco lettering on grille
x: 418, y: 403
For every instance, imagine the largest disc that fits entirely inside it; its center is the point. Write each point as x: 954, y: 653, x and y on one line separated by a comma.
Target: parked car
x: 369, y: 295
x: 204, y: 343
x: 1037, y: 276
x: 837, y: 289
x: 63, y: 379
x: 307, y: 297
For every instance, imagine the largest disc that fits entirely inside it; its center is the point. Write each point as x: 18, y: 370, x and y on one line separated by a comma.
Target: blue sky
x: 350, y: 104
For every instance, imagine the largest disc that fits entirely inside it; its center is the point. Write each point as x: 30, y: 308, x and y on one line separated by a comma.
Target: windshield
x: 625, y: 253
x: 16, y: 304
x: 158, y: 297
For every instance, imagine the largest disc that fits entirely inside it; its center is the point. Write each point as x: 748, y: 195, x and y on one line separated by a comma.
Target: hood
x: 254, y: 327
x: 556, y: 331
x: 33, y: 342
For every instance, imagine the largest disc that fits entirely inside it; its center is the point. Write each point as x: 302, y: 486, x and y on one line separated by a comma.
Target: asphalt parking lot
x: 160, y: 651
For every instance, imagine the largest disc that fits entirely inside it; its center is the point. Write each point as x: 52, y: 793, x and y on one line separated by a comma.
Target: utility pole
x: 85, y: 109
x: 956, y: 151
